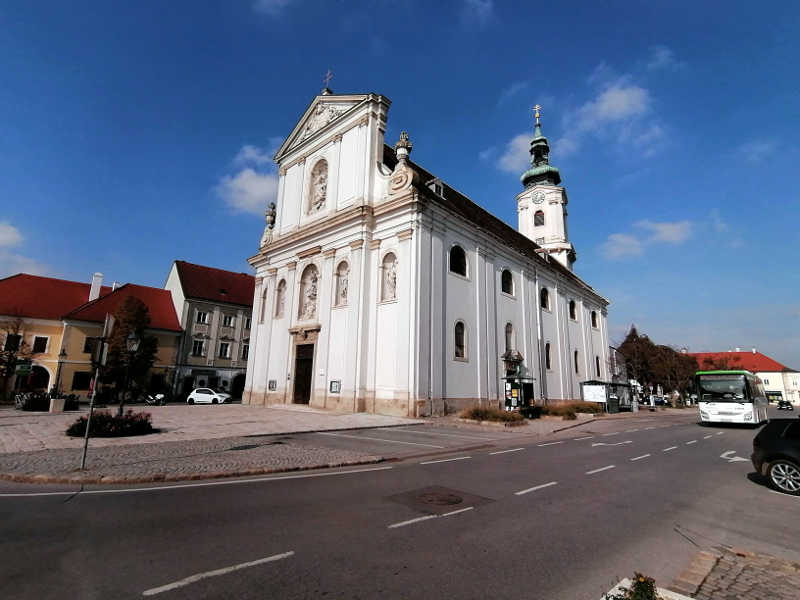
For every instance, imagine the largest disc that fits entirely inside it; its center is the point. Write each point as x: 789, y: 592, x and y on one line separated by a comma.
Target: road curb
x: 165, y: 478
x: 693, y: 576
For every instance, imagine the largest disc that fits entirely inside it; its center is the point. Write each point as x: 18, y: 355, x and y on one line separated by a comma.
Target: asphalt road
x: 563, y: 517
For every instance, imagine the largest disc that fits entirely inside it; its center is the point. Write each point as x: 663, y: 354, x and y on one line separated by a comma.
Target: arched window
x: 594, y: 318
x: 460, y: 340
x: 307, y: 307
x: 572, y: 314
x: 538, y: 218
x: 280, y: 299
x: 597, y: 365
x: 389, y: 278
x: 342, y: 273
x: 507, y: 282
x: 318, y: 186
x: 458, y: 261
x: 544, y: 298
x: 509, y: 337
x: 577, y: 368
x: 547, y: 356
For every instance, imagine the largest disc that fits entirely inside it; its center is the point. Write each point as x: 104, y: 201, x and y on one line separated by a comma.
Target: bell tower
x: 542, y: 205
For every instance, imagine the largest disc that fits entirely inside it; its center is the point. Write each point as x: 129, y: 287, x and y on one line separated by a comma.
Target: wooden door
x: 303, y: 371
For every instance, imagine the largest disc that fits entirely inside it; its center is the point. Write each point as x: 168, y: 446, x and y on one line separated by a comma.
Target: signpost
x: 99, y: 359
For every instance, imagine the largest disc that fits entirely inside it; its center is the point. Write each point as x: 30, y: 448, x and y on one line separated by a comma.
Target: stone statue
x: 308, y: 306
x: 341, y: 284
x: 269, y: 217
x: 390, y: 280
x: 319, y: 186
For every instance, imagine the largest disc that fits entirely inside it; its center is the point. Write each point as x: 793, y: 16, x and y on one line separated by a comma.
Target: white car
x: 207, y: 396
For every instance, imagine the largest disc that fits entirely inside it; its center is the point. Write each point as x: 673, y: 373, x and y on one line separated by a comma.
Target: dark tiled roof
x: 456, y: 202
x: 747, y: 361
x: 37, y: 297
x: 158, y: 302
x: 216, y: 285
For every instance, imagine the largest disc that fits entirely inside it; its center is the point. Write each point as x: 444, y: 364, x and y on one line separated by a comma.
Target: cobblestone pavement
x: 179, y: 460
x: 734, y: 574
x: 29, y: 431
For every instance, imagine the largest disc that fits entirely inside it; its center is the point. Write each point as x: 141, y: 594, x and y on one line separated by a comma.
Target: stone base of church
x: 439, y: 407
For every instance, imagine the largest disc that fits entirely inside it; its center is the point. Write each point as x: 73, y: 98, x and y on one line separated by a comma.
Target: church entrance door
x: 303, y: 371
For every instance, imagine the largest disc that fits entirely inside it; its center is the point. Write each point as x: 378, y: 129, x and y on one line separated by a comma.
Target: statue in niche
x: 308, y: 293
x: 280, y: 299
x: 341, y: 284
x: 389, y: 287
x: 319, y: 186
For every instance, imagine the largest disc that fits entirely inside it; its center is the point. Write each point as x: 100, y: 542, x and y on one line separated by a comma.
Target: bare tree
x: 13, y: 348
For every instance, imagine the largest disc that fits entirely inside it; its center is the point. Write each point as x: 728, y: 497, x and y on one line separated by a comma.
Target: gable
x: 323, y: 112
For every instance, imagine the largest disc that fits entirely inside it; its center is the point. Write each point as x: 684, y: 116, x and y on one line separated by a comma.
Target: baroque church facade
x: 380, y: 288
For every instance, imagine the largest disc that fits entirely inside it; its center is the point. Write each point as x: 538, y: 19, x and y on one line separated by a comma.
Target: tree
x: 124, y: 370
x: 13, y: 348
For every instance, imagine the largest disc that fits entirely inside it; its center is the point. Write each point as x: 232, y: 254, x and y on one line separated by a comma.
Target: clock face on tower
x: 538, y: 197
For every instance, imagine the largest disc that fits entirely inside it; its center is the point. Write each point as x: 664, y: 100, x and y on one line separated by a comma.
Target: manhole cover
x: 440, y: 499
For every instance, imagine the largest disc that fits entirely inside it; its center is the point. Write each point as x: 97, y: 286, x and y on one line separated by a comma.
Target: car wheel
x: 214, y: 401
x: 784, y: 476
x: 190, y: 400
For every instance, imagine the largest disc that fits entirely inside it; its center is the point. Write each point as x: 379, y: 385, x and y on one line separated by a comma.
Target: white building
x: 380, y: 288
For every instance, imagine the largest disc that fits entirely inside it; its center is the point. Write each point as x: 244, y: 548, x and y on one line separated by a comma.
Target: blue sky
x: 132, y: 134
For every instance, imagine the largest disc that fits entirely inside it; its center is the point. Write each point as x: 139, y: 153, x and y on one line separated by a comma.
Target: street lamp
x: 132, y: 345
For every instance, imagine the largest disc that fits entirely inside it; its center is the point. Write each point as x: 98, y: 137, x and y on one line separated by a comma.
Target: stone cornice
x: 356, y: 244
x: 291, y: 265
x: 329, y: 253
x: 405, y: 235
x: 309, y: 252
x: 374, y: 244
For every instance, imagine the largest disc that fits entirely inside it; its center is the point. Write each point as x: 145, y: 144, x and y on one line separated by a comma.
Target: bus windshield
x: 721, y: 388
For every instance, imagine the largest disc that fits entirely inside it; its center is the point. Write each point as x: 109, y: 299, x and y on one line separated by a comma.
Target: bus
x: 730, y: 397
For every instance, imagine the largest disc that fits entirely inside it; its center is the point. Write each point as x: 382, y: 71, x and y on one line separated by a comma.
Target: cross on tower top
x: 536, y: 114
x: 328, y: 77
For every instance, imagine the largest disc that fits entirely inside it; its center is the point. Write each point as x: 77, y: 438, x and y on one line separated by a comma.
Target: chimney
x: 738, y: 349
x: 94, y: 291
x: 114, y: 285
x: 754, y: 350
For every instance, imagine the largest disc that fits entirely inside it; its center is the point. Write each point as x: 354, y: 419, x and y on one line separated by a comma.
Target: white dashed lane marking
x: 536, y: 487
x: 588, y: 437
x: 640, y: 457
x: 506, y: 451
x: 705, y: 437
x: 549, y: 444
x: 668, y: 449
x: 452, y: 435
x: 429, y: 517
x: 433, y: 462
x: 691, y: 442
x: 606, y: 468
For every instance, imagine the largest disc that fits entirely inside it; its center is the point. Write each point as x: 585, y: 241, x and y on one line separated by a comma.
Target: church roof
x: 216, y: 285
x: 455, y: 201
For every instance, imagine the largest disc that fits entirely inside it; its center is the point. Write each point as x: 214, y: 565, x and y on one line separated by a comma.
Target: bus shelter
x: 614, y: 396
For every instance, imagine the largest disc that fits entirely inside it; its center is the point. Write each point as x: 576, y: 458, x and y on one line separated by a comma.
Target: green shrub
x: 642, y: 588
x: 491, y: 414
x: 38, y: 401
x: 105, y: 424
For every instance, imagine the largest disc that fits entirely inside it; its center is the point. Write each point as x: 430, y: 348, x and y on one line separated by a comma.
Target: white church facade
x: 380, y: 288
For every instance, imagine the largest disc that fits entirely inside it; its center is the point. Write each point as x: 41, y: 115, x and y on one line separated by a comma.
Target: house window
x: 577, y: 368
x: 81, y: 380
x: 509, y: 337
x: 458, y: 261
x: 247, y: 322
x: 245, y: 351
x: 507, y: 282
x: 342, y: 276
x: 227, y: 321
x: 766, y: 382
x: 197, y: 348
x: 597, y: 365
x: 547, y: 356
x: 224, y: 350
x: 389, y: 278
x: 538, y: 218
x: 202, y: 317
x: 280, y: 299
x: 12, y: 342
x: 460, y: 341
x: 594, y: 318
x: 572, y: 313
x: 89, y: 345
x: 544, y: 298
x: 39, y: 344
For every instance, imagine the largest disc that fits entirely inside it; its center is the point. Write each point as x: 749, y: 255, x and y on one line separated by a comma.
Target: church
x: 380, y: 288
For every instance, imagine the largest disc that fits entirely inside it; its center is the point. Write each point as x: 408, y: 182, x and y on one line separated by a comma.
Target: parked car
x: 785, y: 405
x: 207, y: 396
x: 776, y: 454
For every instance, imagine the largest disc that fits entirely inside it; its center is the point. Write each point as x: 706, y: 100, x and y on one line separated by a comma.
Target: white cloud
x: 618, y: 102
x: 662, y: 57
x: 621, y: 245
x: 479, y: 12
x: 516, y: 157
x: 488, y: 153
x: 270, y: 7
x: 511, y: 90
x: 756, y: 151
x: 9, y: 235
x: 717, y: 223
x: 11, y: 264
x: 255, y: 184
x: 670, y: 232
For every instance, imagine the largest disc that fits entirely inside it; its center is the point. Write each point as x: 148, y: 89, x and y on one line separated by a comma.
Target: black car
x: 776, y: 454
x: 785, y: 404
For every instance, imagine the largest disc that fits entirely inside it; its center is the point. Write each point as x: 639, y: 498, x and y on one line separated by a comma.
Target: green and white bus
x: 730, y: 397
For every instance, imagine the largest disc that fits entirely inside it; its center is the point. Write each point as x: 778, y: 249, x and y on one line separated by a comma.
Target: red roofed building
x: 776, y: 376
x: 214, y: 308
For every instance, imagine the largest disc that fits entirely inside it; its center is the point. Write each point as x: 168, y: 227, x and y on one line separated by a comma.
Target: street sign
x: 24, y: 367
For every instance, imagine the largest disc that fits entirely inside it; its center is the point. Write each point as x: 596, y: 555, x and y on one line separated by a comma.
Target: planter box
x: 663, y: 593
x: 57, y: 405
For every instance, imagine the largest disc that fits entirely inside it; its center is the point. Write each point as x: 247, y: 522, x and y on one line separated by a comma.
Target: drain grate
x: 436, y: 499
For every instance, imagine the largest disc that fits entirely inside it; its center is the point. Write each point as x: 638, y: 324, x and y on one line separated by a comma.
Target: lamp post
x: 132, y: 345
